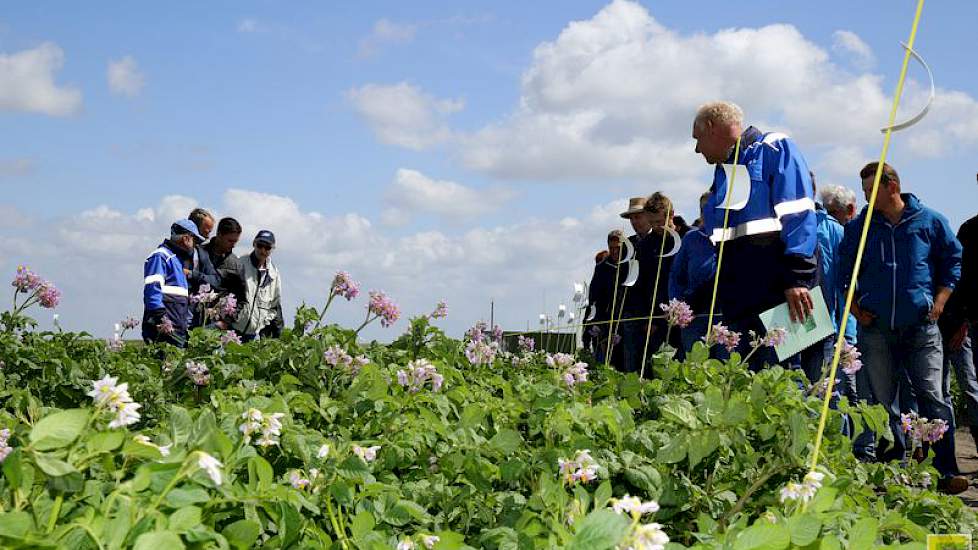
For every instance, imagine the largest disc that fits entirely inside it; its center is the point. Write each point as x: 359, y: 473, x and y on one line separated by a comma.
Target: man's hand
x: 800, y: 303
x: 186, y: 272
x: 864, y: 317
x: 943, y: 293
x: 957, y: 340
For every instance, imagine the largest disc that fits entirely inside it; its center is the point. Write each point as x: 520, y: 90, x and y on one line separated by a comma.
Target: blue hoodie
x: 830, y: 233
x: 903, y: 264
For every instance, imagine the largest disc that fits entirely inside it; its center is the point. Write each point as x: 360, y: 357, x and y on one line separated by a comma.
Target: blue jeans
x: 914, y: 352
x: 963, y: 361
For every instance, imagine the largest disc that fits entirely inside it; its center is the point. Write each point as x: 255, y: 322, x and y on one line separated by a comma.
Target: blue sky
x: 484, y: 145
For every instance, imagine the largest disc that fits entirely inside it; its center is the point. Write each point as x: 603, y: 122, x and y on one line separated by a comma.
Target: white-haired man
x: 770, y: 239
x: 839, y: 202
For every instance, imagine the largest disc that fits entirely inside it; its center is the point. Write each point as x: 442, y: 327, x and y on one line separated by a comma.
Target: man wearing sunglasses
x: 260, y: 306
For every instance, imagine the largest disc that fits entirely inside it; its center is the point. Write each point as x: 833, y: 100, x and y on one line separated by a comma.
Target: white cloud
x: 413, y: 193
x: 611, y: 98
x: 385, y: 33
x: 27, y: 82
x: 124, y: 77
x: 403, y: 115
x: 849, y: 43
x: 17, y: 167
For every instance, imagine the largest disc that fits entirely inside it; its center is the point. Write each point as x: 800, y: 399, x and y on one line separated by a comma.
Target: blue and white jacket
x: 903, y: 264
x: 165, y: 294
x: 770, y: 241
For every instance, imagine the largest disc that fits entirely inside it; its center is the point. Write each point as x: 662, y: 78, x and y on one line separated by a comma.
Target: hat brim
x: 628, y: 213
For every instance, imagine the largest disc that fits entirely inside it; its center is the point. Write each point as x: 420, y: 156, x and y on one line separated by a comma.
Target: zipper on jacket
x: 893, y: 305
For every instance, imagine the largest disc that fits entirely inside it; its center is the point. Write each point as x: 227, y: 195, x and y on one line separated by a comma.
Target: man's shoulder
x: 970, y: 226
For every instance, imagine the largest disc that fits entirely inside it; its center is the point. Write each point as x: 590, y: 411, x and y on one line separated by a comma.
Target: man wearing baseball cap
x: 260, y: 307
x: 166, y: 300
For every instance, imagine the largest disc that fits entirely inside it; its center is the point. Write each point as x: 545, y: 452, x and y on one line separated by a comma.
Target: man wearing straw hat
x: 768, y: 231
x: 649, y: 217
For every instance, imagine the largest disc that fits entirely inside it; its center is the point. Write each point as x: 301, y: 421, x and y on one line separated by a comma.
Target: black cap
x: 265, y: 236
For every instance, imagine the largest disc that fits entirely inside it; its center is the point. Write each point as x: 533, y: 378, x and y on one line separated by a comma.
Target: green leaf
x: 799, y: 434
x: 602, y: 495
x: 181, y: 425
x: 289, y: 524
x: 362, y: 524
x: 673, y: 451
x: 179, y: 497
x: 185, y: 518
x: 15, y: 524
x: 58, y: 430
x: 702, y: 445
x: 763, y: 535
x: 679, y: 411
x: 53, y: 466
x: 260, y: 473
x: 159, y: 540
x: 863, y: 533
x: 600, y: 530
x: 804, y: 529
x: 506, y: 441
x: 104, y: 442
x: 242, y: 533
x: 13, y: 469
x: 737, y: 412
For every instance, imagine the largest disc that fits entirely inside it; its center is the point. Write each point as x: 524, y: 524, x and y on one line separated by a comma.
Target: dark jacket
x: 903, y: 264
x: 601, y: 291
x: 202, y: 271
x: 963, y: 305
x: 210, y: 267
x: 638, y: 298
x: 770, y: 239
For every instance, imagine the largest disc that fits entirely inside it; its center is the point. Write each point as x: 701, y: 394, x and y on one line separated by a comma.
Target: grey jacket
x: 261, y: 309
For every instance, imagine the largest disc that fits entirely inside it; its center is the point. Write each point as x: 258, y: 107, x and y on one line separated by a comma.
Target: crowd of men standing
x: 194, y: 280
x: 914, y: 311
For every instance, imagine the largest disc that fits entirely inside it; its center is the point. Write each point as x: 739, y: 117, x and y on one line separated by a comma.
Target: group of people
x: 914, y: 310
x: 193, y: 280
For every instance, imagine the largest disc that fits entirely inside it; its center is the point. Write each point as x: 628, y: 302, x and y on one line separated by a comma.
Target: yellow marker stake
x: 655, y: 291
x: 723, y: 236
x: 862, y: 239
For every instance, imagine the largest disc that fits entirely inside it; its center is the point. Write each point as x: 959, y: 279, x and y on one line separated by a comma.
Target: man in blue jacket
x: 166, y: 300
x: 691, y: 280
x: 769, y: 255
x: 911, y: 264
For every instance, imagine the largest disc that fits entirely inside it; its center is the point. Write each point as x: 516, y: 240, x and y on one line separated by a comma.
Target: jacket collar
x: 911, y: 207
x: 750, y: 136
x: 254, y: 263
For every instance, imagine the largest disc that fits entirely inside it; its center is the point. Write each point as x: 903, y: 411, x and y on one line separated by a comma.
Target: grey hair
x: 726, y: 113
x: 616, y: 234
x: 837, y: 197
